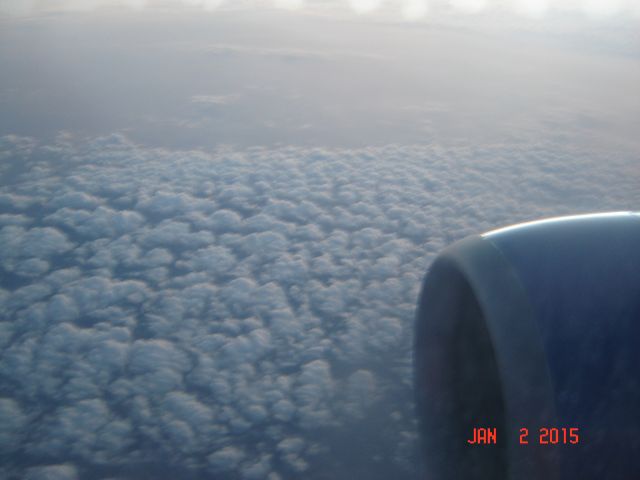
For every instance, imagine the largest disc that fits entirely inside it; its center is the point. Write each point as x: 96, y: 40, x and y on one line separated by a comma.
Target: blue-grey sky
x: 215, y: 215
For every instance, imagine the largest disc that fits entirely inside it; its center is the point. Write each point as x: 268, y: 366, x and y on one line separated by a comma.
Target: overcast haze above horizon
x: 215, y: 215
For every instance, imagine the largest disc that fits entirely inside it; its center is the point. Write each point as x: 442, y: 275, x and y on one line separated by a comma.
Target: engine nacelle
x: 531, y: 331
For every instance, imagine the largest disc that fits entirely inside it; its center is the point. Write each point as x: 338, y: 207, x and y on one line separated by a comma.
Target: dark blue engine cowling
x: 531, y: 326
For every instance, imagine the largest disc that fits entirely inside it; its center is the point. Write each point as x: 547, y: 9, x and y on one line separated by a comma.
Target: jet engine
x: 527, y: 353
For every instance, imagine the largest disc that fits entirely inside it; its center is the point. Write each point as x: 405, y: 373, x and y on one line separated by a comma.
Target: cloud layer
x: 239, y: 314
x: 409, y: 9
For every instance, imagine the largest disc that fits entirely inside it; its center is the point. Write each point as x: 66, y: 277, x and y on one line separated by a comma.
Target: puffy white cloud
x: 41, y: 243
x: 84, y: 429
x: 214, y: 311
x: 165, y: 204
x: 94, y: 293
x: 284, y: 410
x: 27, y: 296
x: 313, y: 391
x: 13, y: 201
x: 156, y: 355
x: 52, y: 472
x: 11, y: 219
x: 224, y: 221
x: 360, y: 392
x: 171, y: 233
x: 225, y: 459
x: 12, y: 421
x: 32, y: 267
x: 61, y: 308
x: 258, y: 469
x: 246, y: 348
x: 103, y: 222
x: 158, y: 257
x: 76, y: 200
x: 216, y: 260
x: 291, y: 445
